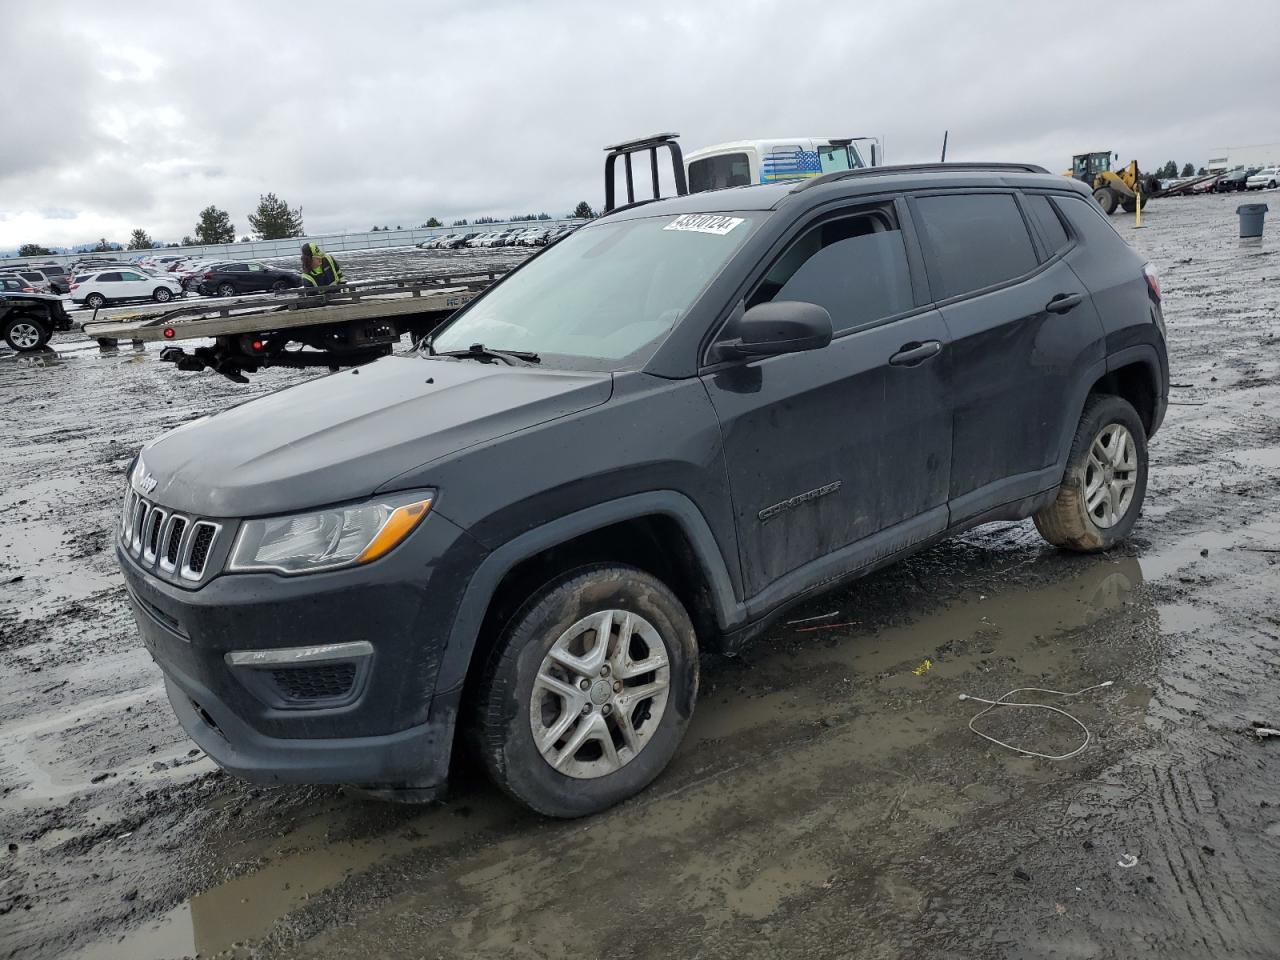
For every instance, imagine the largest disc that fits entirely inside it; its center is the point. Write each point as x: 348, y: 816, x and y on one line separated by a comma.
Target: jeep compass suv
x: 649, y: 439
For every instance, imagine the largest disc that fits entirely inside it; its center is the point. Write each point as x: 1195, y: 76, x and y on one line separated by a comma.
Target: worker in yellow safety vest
x: 319, y: 269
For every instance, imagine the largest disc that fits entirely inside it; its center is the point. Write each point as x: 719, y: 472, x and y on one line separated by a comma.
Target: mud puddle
x: 976, y: 640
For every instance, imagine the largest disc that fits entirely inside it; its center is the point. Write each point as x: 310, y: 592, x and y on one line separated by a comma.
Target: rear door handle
x: 1064, y: 302
x: 913, y: 354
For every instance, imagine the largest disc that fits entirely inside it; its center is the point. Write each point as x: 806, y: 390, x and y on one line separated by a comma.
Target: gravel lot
x: 830, y: 800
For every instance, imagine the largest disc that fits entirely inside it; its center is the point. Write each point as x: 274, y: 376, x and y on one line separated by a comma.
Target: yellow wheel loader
x: 1113, y: 189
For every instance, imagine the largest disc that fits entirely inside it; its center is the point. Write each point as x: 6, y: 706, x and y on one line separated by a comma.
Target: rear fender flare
x: 1143, y: 353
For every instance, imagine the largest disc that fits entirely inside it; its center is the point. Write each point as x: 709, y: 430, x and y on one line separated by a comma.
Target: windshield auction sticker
x: 704, y: 223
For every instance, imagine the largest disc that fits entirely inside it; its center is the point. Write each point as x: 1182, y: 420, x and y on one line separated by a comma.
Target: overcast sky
x: 128, y: 115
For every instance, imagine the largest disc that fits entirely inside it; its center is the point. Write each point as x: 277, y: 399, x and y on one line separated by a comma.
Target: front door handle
x: 1064, y: 302
x: 913, y: 354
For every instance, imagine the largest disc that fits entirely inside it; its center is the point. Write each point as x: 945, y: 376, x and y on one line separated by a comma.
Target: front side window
x: 715, y: 173
x: 973, y: 241
x: 235, y: 268
x: 108, y: 278
x: 131, y: 276
x: 605, y: 295
x: 855, y: 266
x: 256, y: 268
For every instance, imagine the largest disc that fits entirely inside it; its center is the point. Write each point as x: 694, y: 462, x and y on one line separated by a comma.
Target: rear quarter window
x: 1047, y: 222
x: 973, y: 241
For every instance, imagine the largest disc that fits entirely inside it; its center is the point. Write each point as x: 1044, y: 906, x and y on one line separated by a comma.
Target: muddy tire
x: 1105, y: 481
x: 95, y: 301
x: 24, y: 334
x: 588, y: 692
x: 162, y: 295
x: 1107, y: 199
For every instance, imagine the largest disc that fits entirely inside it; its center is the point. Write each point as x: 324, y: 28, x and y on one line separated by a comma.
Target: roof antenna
x: 944, y: 145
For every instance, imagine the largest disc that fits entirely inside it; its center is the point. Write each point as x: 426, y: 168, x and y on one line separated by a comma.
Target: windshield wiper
x: 478, y: 351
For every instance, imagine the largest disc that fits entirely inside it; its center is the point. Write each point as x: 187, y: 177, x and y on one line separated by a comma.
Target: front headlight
x: 327, y: 539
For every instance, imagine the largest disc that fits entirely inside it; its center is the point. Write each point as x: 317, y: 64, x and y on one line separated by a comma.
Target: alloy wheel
x: 600, y: 694
x: 25, y: 336
x: 1111, y: 475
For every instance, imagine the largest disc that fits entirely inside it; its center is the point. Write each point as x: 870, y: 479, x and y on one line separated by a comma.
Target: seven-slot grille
x: 177, y: 545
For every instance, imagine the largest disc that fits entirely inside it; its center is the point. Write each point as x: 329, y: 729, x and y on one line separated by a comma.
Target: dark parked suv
x: 229, y: 279
x: 651, y: 438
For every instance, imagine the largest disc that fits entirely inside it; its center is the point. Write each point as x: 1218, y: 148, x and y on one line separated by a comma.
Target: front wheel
x: 588, y: 692
x: 1107, y: 199
x: 23, y: 334
x: 1105, y: 481
x: 162, y: 295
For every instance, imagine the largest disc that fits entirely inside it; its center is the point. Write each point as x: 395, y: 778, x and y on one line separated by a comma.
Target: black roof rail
x: 918, y: 168
x: 652, y: 144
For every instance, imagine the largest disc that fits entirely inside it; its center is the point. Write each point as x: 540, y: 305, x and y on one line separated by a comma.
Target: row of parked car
x: 515, y: 237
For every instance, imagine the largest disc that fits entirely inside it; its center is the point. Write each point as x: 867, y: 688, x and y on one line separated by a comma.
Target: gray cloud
x: 393, y: 112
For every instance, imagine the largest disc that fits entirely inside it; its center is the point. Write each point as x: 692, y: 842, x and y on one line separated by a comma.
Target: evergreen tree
x: 34, y: 250
x: 433, y: 222
x: 583, y: 211
x: 139, y: 240
x: 1188, y: 170
x: 274, y: 220
x: 214, y: 226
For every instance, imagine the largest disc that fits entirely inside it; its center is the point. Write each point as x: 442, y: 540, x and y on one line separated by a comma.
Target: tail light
x: 28, y: 289
x: 208, y: 275
x: 75, y: 286
x: 1153, y: 281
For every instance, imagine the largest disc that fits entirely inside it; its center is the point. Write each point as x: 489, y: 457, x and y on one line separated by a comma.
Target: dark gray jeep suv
x: 651, y: 438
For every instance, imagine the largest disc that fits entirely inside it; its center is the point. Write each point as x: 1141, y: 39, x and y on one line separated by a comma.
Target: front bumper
x: 395, y: 727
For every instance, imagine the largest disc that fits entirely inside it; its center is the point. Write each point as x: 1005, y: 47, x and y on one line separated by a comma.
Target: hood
x: 340, y: 437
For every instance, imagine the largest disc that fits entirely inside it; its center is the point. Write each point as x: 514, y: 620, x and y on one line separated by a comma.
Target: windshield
x: 607, y: 293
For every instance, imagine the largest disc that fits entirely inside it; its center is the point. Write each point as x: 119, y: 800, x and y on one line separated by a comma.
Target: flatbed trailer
x: 340, y: 326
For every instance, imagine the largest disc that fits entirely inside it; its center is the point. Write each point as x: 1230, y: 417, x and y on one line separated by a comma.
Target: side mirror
x: 770, y: 329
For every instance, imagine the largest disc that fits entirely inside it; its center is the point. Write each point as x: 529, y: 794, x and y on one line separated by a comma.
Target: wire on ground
x: 1004, y: 701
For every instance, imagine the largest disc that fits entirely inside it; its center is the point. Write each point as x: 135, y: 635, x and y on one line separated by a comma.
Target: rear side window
x: 1043, y: 215
x: 714, y: 173
x: 972, y: 241
x: 1087, y: 219
x: 854, y: 266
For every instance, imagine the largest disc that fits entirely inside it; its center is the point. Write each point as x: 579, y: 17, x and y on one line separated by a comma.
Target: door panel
x: 1016, y: 367
x: 832, y: 446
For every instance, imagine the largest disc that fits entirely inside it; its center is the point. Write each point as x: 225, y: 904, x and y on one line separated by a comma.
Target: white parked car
x: 1268, y: 178
x: 98, y: 289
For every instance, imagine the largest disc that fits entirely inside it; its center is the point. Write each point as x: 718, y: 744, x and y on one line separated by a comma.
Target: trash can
x: 1251, y: 217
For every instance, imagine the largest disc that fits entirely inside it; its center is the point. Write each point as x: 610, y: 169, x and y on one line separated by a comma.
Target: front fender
x: 729, y: 611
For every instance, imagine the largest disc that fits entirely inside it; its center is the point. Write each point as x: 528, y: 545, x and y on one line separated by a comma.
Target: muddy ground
x: 830, y: 800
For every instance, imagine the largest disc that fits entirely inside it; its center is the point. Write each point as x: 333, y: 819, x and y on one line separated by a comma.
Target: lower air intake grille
x: 329, y: 682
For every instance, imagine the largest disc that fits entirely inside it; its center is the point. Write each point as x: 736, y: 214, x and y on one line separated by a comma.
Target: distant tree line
x: 1171, y: 170
x: 274, y: 219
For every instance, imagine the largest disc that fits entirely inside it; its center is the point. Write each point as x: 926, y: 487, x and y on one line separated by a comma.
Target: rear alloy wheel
x: 1105, y: 481
x: 95, y: 301
x: 162, y: 295
x: 226, y: 290
x: 23, y: 334
x: 588, y: 693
